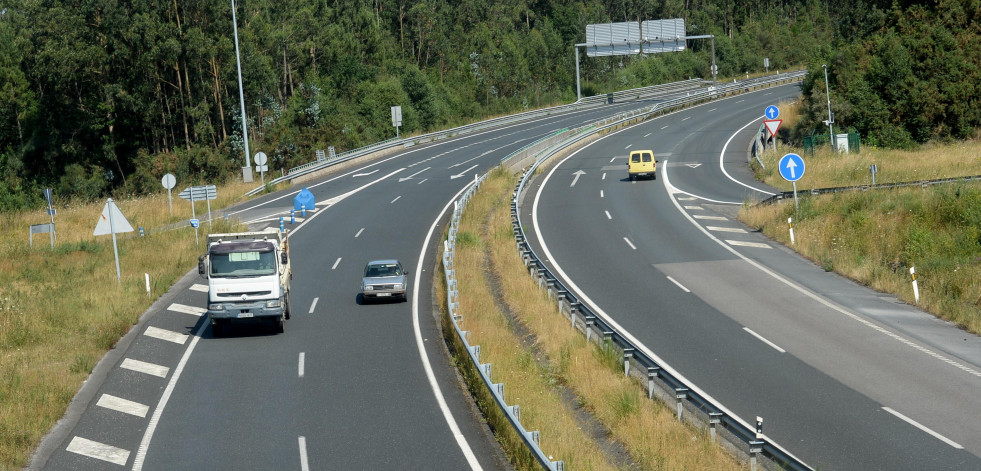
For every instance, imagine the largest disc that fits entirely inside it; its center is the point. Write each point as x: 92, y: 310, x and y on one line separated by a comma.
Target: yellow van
x: 641, y: 163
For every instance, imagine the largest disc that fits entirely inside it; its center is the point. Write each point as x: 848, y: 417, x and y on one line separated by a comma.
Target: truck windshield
x: 240, y: 264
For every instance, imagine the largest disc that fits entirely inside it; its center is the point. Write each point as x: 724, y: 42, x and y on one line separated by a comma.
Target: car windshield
x: 388, y: 269
x: 237, y: 264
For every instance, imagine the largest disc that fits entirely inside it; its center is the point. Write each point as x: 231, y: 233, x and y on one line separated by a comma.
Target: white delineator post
x: 790, y: 224
x: 916, y: 290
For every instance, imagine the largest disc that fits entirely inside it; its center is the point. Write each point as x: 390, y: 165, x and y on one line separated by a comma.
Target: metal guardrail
x: 880, y: 186
x: 661, y: 380
x: 532, y: 439
x: 639, y: 93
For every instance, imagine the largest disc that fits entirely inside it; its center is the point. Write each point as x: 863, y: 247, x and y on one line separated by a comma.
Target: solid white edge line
x: 629, y: 243
x: 599, y: 311
x: 764, y: 340
x: 168, y: 391
x: 336, y: 263
x: 679, y: 285
x: 924, y: 428
x: 300, y: 365
x: 420, y: 344
x: 304, y: 462
x: 722, y: 156
x: 313, y: 305
x: 810, y: 294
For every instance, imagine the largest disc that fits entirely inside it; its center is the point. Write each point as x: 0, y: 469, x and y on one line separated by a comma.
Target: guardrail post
x: 590, y: 320
x: 680, y: 394
x: 652, y: 372
x: 550, y: 285
x: 755, y: 448
x: 715, y: 418
x: 487, y: 369
x: 475, y: 350
x: 516, y: 412
x: 628, y: 353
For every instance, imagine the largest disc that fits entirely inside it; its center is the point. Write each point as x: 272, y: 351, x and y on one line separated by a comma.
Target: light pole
x: 241, y: 94
x: 831, y: 119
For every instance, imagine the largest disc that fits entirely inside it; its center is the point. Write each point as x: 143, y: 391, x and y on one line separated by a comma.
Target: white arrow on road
x: 364, y: 174
x: 577, y: 174
x: 402, y: 179
x: 452, y: 177
x: 791, y: 165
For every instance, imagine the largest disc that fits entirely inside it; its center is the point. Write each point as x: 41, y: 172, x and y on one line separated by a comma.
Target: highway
x: 844, y: 377
x: 347, y: 386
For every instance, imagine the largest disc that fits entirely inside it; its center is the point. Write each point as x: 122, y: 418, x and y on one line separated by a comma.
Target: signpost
x: 260, y: 166
x: 110, y: 222
x: 48, y: 194
x: 195, y: 193
x: 168, y: 181
x: 791, y: 169
x: 396, y: 119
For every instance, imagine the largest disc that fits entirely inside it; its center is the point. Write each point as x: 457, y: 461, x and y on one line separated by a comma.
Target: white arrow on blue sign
x: 772, y: 112
x: 791, y: 167
x: 195, y: 223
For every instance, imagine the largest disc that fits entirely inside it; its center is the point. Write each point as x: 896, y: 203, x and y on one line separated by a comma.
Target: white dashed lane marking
x: 167, y: 335
x: 336, y: 263
x: 192, y: 310
x: 123, y: 405
x: 99, y: 451
x: 144, y: 367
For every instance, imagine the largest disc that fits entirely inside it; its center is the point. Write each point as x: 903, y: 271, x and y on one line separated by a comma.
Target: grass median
x: 573, y: 392
x: 62, y: 309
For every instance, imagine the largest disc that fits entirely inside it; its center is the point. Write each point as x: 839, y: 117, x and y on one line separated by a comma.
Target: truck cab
x: 248, y: 277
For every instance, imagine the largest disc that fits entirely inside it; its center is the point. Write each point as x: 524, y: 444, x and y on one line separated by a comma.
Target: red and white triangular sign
x: 119, y: 222
x: 772, y: 125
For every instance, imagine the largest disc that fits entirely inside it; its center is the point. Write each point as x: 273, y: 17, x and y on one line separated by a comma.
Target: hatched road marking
x: 192, y: 310
x: 123, y: 405
x: 199, y: 287
x: 99, y: 451
x: 726, y: 229
x: 742, y: 243
x: 167, y: 335
x: 711, y: 218
x: 144, y: 367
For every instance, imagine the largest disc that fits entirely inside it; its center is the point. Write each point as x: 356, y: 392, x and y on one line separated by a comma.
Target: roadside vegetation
x: 574, y: 392
x: 61, y: 310
x: 874, y: 237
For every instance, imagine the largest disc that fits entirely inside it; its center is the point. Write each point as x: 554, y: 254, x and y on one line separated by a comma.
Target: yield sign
x: 772, y: 125
x: 112, y: 221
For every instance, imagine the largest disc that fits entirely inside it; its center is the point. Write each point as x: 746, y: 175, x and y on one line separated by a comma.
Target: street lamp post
x: 241, y: 94
x: 831, y: 119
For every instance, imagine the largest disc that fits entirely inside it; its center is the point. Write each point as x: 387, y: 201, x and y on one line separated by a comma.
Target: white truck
x: 248, y: 277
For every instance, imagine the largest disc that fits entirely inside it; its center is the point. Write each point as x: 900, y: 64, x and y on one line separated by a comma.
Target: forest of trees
x: 103, y: 97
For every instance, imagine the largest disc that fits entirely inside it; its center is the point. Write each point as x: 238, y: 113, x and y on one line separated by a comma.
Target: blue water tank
x: 303, y: 198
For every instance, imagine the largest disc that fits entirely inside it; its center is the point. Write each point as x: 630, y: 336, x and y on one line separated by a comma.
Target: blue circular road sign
x: 772, y: 112
x: 791, y: 167
x: 195, y: 223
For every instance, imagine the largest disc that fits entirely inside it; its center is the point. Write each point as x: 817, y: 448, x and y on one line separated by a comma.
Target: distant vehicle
x: 248, y: 277
x: 384, y: 279
x: 641, y: 163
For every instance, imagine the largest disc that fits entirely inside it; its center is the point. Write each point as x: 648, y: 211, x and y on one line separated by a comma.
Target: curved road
x: 844, y: 377
x: 348, y: 386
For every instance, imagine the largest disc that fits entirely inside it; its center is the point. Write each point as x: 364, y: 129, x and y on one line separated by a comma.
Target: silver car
x: 384, y: 279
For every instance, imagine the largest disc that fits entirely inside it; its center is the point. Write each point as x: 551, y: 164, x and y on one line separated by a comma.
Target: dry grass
x: 647, y: 429
x: 826, y: 169
x: 874, y: 237
x: 61, y: 310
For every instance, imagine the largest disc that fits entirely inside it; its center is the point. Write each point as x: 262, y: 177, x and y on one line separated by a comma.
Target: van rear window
x: 647, y: 157
x: 635, y: 158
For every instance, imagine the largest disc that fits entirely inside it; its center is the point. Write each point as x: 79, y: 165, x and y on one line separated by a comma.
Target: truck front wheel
x: 280, y: 325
